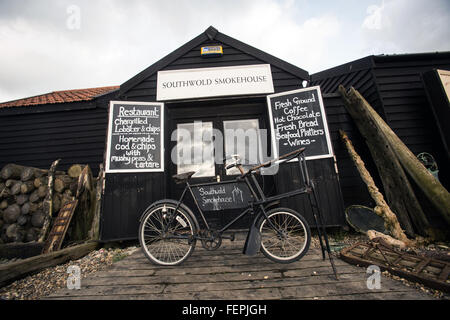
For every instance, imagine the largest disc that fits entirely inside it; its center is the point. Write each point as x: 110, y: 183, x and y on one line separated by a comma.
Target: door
x: 201, y: 143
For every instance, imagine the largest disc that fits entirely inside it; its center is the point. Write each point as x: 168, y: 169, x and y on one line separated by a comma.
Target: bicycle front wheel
x: 166, y: 235
x: 288, y: 239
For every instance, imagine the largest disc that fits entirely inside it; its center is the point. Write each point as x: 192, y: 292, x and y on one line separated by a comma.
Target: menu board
x: 298, y: 120
x: 222, y: 196
x: 135, y: 137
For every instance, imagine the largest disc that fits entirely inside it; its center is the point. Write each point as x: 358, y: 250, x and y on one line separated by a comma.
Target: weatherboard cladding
x: 393, y: 85
x: 146, y: 89
x: 151, y: 187
x: 38, y: 135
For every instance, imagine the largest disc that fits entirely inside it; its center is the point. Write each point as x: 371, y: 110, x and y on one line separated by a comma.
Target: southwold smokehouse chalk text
x: 136, y: 137
x: 298, y: 123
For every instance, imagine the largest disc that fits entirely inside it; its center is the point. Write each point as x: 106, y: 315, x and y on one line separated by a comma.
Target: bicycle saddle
x: 182, y: 177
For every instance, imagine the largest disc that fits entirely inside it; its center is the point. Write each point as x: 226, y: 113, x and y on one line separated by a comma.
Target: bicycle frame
x: 259, y: 198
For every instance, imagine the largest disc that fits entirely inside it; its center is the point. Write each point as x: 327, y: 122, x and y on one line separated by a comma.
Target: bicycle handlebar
x: 285, y: 157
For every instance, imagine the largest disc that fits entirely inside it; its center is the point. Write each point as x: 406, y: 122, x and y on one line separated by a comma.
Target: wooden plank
x: 16, y: 270
x: 222, y: 277
x: 445, y: 273
x: 106, y: 279
x: 351, y: 255
x: 247, y: 294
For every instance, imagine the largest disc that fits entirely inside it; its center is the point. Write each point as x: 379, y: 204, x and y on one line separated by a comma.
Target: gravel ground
x: 47, y: 281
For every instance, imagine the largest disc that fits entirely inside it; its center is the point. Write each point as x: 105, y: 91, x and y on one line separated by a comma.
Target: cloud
x: 404, y: 26
x: 51, y: 48
x: 117, y: 39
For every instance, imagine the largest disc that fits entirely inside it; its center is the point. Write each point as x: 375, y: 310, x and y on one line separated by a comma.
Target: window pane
x: 242, y: 137
x: 195, y: 149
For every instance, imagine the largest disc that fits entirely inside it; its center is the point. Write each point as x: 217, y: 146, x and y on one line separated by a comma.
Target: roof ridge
x: 82, y: 89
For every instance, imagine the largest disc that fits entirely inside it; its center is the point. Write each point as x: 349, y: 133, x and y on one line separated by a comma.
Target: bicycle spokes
x: 165, y: 235
x: 289, y: 237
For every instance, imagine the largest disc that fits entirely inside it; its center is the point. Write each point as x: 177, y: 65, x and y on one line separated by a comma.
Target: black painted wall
x: 38, y: 135
x: 143, y: 88
x: 393, y: 86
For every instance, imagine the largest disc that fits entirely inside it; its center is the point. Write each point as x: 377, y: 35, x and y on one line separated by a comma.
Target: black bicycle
x: 169, y: 230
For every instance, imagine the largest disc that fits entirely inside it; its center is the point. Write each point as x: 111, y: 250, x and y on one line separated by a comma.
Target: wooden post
x: 398, y: 189
x: 19, y: 269
x: 382, y: 209
x: 432, y: 188
x: 48, y: 201
x: 82, y: 220
x: 95, y: 227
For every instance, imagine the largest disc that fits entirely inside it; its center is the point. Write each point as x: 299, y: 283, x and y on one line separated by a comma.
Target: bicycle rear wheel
x: 289, y: 240
x: 165, y: 244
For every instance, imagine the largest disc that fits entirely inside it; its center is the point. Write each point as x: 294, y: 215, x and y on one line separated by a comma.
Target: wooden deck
x: 228, y: 274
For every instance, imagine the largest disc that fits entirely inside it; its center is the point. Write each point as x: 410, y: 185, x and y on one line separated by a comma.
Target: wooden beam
x: 388, y: 156
x: 13, y: 271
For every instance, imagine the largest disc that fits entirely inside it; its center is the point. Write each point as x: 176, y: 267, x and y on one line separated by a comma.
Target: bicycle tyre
x: 152, y: 240
x: 295, y: 229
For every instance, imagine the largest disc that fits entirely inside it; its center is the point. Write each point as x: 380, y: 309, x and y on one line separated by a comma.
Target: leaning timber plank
x: 397, y: 190
x: 382, y: 209
x: 432, y: 188
x: 15, y: 270
x: 48, y: 201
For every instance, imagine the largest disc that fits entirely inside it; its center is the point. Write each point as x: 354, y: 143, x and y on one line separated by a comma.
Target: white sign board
x: 214, y: 82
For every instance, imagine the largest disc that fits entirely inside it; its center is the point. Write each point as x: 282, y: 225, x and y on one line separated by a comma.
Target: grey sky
x: 116, y: 39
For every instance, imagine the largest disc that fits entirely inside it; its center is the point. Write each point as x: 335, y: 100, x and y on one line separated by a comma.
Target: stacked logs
x: 22, y: 193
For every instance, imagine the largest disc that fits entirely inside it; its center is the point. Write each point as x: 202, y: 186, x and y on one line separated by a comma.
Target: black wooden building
x: 396, y: 86
x: 120, y: 214
x: 76, y: 131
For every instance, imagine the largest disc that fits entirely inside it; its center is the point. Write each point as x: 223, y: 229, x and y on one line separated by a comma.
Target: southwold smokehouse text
x: 298, y: 121
x: 216, y: 81
x: 136, y: 123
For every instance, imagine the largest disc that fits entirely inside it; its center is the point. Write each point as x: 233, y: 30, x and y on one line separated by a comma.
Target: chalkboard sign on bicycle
x: 298, y: 120
x: 135, y: 137
x: 222, y: 195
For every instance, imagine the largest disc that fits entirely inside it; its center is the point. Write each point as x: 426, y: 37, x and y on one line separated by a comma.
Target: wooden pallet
x: 60, y: 226
x: 431, y: 272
